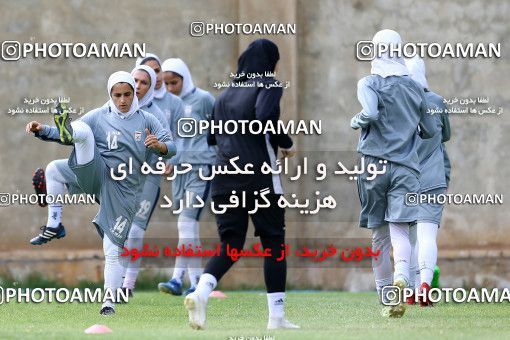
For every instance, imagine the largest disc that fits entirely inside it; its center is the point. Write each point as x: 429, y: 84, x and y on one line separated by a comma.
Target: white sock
x: 84, y: 142
x: 186, y: 237
x: 205, y: 286
x: 54, y: 215
x: 427, y: 252
x: 55, y: 185
x: 413, y: 267
x: 179, y: 270
x: 383, y: 272
x: 399, y: 233
x: 113, y: 268
x: 276, y: 304
x: 135, y: 240
x: 195, y: 263
x: 417, y: 278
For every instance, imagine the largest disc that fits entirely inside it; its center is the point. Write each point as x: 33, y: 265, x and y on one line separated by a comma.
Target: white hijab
x: 386, y: 66
x: 178, y: 66
x: 147, y: 98
x: 416, y: 68
x: 158, y: 93
x: 122, y: 77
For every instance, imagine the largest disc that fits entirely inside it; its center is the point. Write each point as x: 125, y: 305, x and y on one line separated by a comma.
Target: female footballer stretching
x: 103, y: 141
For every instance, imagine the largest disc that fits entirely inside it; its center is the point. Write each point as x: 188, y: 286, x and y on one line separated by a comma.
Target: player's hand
x: 169, y: 169
x: 151, y: 141
x: 33, y: 126
x: 354, y: 123
x: 287, y: 153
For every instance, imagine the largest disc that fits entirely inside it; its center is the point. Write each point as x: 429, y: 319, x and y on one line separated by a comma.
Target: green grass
x: 322, y: 315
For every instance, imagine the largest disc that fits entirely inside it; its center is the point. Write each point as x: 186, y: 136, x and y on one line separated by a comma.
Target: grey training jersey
x: 118, y: 139
x: 198, y: 104
x: 154, y: 110
x: 431, y: 152
x: 393, y: 133
x: 173, y: 110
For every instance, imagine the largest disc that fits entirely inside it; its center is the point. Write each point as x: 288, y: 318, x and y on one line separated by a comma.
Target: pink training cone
x: 218, y: 294
x: 98, y: 329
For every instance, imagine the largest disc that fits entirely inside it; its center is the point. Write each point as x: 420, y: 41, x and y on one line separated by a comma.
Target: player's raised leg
x: 79, y: 134
x: 83, y: 139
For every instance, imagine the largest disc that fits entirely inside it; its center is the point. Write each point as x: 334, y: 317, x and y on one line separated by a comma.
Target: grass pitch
x: 321, y: 315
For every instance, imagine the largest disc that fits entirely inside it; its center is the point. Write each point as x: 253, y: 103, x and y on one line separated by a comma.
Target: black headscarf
x: 260, y: 56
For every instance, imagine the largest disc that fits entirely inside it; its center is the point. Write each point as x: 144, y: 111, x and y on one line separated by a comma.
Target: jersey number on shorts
x: 120, y: 224
x: 111, y: 139
x: 145, y: 207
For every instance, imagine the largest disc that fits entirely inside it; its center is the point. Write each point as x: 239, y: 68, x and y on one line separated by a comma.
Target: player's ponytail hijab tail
x: 260, y: 56
x: 178, y: 66
x: 147, y: 98
x: 387, y: 65
x: 122, y: 77
x: 416, y: 68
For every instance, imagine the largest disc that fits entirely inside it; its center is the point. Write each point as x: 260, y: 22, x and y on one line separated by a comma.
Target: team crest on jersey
x: 138, y: 136
x: 187, y: 110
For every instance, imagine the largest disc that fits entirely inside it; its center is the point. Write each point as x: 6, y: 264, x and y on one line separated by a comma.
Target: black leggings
x: 275, y: 273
